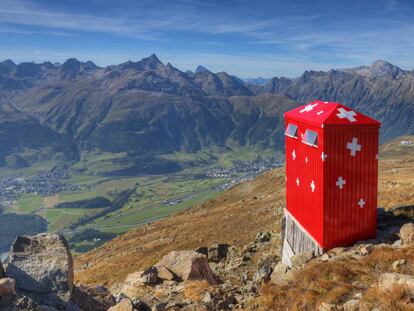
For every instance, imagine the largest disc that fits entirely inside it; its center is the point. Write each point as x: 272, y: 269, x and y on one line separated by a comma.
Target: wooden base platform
x: 296, y: 240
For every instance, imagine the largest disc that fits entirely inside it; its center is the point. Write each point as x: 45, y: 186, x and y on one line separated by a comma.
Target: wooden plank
x: 297, y: 240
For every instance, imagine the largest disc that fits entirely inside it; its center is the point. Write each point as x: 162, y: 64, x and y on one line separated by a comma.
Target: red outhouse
x: 331, y: 177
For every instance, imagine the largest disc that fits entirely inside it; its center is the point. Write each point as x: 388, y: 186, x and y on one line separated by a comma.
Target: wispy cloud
x: 243, y: 37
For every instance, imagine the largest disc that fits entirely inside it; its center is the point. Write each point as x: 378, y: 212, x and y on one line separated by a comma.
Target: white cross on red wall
x: 353, y: 146
x: 308, y: 108
x: 340, y: 182
x: 343, y: 114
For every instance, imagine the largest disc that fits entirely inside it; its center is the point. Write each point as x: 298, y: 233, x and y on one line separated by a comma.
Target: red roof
x: 320, y: 112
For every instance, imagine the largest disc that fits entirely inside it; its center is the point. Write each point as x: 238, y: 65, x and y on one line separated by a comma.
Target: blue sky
x: 246, y: 38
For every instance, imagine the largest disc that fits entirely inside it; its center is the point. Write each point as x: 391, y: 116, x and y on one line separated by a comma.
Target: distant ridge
x: 148, y: 108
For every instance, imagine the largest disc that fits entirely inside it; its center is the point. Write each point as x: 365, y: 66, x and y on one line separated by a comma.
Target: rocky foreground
x: 39, y: 276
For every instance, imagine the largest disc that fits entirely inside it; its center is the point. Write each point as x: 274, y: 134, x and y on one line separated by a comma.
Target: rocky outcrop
x: 389, y: 280
x: 407, y: 233
x: 43, y: 269
x: 188, y: 265
x: 96, y: 298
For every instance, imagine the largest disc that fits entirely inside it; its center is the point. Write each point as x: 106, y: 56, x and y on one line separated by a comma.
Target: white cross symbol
x: 324, y: 156
x: 306, y: 159
x: 353, y: 146
x: 341, y: 182
x: 361, y: 203
x: 346, y: 114
x: 293, y: 154
x: 319, y: 112
x: 308, y: 108
x: 297, y: 181
x: 313, y: 186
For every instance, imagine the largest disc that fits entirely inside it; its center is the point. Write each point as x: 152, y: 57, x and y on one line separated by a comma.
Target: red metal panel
x: 350, y: 212
x: 319, y: 112
x: 349, y: 141
x: 304, y: 171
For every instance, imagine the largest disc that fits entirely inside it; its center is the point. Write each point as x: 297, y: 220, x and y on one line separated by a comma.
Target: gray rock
x: 398, y: 263
x: 124, y: 305
x: 397, y: 243
x: 351, y: 305
x: 366, y: 249
x: 188, y: 265
x: 217, y: 252
x: 280, y: 274
x: 150, y: 276
x: 265, y: 268
x: 407, y: 233
x: 166, y: 275
x: 263, y: 237
x: 325, y: 257
x: 207, y: 297
x: 43, y: 269
x: 96, y: 298
x: 389, y: 280
x: 300, y: 259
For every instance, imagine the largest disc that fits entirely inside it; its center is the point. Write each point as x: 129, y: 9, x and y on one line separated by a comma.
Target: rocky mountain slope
x: 233, y: 217
x: 147, y: 107
x: 381, y: 90
x: 24, y: 140
x: 225, y: 255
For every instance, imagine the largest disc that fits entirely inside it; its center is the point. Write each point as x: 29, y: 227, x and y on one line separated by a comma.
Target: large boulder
x: 188, y: 265
x: 407, y: 233
x: 281, y: 274
x: 43, y: 269
x: 96, y: 298
x: 389, y: 280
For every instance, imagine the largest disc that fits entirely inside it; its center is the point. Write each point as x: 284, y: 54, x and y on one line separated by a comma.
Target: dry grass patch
x: 396, y: 299
x: 337, y: 281
x: 195, y: 290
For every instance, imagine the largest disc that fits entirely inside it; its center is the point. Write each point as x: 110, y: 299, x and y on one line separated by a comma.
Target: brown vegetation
x: 234, y: 217
x: 238, y: 214
x: 337, y: 281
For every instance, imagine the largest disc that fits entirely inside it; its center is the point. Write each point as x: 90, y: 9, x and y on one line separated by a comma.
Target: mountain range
x: 62, y: 111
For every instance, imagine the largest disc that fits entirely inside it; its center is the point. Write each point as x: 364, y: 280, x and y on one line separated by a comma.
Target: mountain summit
x: 201, y: 68
x: 379, y: 68
x: 146, y: 107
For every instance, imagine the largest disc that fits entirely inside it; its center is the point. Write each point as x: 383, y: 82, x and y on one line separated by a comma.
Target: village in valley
x: 44, y: 183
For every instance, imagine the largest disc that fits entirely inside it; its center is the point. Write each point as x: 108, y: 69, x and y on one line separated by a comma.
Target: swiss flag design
x: 332, y: 185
